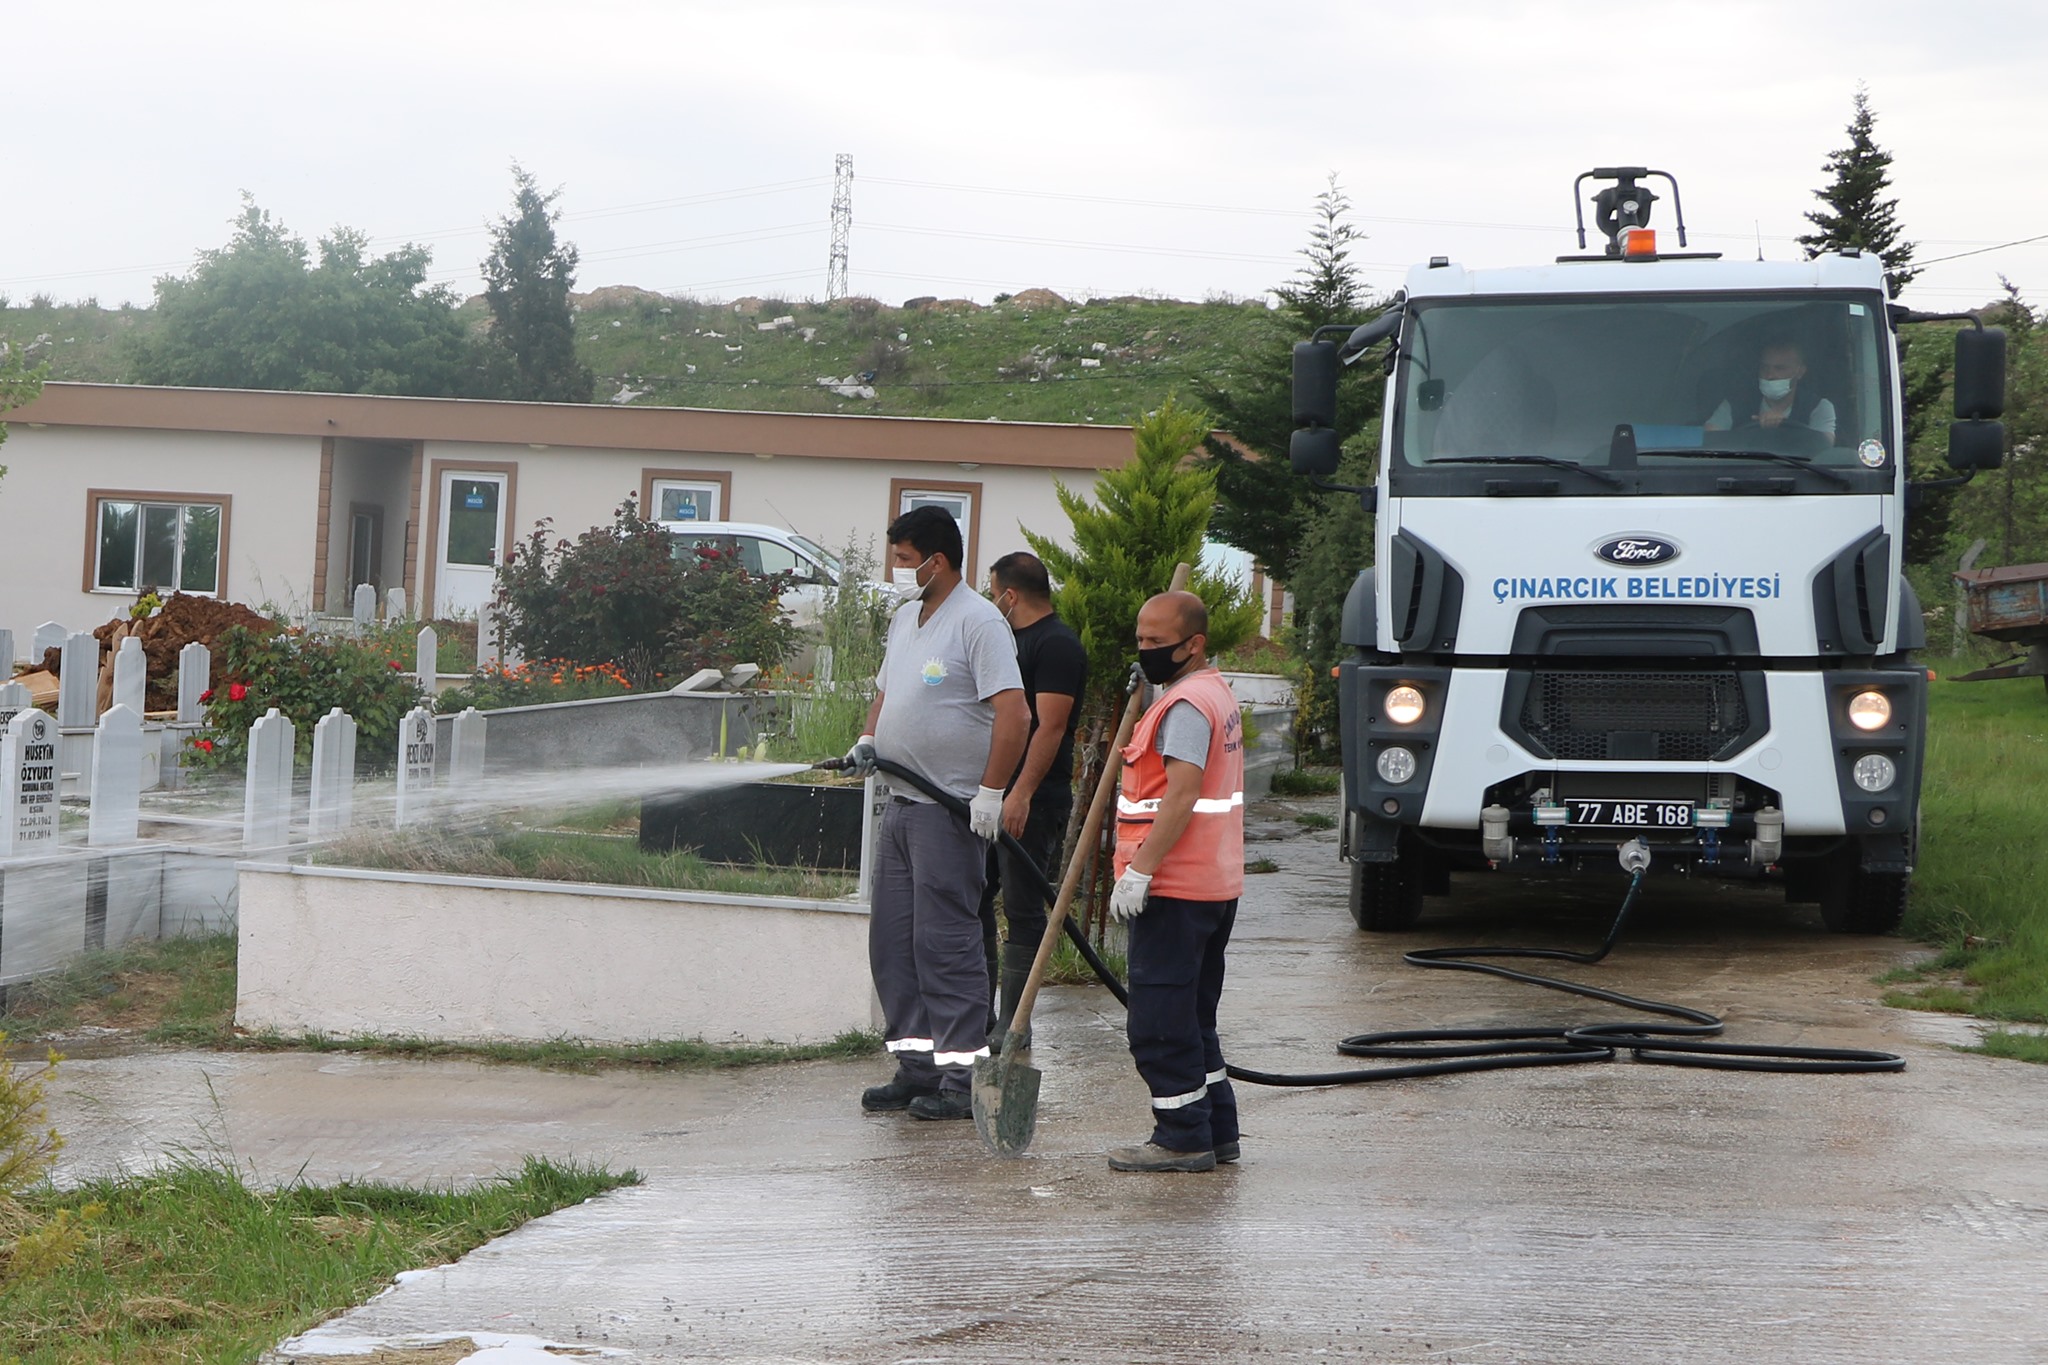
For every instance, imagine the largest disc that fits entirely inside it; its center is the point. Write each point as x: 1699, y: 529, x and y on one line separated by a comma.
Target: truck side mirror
x: 1977, y: 444
x: 1980, y: 374
x: 1315, y: 451
x: 1315, y: 383
x: 1315, y: 448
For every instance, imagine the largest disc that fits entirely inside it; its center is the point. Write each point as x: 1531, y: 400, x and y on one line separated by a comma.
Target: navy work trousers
x: 1176, y: 981
x: 924, y: 943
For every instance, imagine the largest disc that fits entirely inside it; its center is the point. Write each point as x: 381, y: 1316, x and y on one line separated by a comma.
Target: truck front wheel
x: 1853, y: 901
x: 1387, y: 897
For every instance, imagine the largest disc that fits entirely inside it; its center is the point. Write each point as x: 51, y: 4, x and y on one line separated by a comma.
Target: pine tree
x: 1857, y: 213
x: 527, y: 279
x: 1264, y: 503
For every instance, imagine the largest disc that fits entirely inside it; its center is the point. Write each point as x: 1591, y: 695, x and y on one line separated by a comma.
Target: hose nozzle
x: 1635, y: 857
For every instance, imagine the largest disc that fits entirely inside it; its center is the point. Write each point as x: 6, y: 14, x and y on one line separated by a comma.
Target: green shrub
x: 304, y: 677
x: 30, y: 1244
x: 621, y: 595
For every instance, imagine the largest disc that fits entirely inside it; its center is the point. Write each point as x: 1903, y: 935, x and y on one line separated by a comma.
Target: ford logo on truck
x: 1636, y: 551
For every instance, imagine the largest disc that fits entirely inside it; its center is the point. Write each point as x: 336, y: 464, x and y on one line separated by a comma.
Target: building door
x: 472, y: 541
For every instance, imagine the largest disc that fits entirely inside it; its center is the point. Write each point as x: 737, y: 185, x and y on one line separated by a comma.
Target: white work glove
x: 985, y: 812
x: 860, y: 759
x: 1127, y: 897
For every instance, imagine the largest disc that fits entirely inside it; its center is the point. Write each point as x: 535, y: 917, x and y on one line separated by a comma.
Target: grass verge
x: 1306, y: 782
x: 1976, y: 892
x: 190, y: 1264
x: 181, y: 993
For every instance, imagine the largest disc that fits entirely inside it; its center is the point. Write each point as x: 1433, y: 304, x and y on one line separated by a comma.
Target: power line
x: 2043, y: 237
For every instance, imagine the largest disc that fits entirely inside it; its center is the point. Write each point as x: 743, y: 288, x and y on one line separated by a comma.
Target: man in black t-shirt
x: 1041, y: 796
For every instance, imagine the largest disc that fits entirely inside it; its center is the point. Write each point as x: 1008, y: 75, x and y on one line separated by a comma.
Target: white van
x: 814, y: 570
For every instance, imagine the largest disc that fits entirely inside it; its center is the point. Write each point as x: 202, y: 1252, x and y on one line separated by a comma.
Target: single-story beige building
x: 295, y: 498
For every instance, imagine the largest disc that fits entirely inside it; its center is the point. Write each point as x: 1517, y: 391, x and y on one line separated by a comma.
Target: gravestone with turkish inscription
x: 28, y: 785
x: 415, y: 766
x: 14, y: 699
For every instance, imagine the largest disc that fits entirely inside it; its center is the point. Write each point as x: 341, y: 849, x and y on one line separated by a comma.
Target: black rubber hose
x: 1443, y: 1052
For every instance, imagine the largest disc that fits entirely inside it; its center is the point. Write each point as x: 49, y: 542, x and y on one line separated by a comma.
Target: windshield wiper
x: 1551, y: 460
x: 1776, y: 457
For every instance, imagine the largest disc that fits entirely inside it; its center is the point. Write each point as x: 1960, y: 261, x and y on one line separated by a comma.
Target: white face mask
x: 1775, y: 390
x: 905, y: 580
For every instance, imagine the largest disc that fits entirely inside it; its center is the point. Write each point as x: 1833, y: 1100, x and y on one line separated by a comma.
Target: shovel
x: 1005, y: 1087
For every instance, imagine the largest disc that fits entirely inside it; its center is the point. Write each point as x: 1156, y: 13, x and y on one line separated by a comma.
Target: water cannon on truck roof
x: 1637, y: 569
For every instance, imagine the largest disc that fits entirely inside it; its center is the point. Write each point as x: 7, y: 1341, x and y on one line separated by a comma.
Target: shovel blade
x: 1005, y: 1094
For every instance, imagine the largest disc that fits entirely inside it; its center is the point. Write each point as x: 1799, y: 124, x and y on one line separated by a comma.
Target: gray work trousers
x: 924, y: 943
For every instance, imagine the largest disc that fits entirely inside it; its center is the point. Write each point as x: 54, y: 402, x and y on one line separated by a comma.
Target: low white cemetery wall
x: 56, y: 906
x: 348, y: 951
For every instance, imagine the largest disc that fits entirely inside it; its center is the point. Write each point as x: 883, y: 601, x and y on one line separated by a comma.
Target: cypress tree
x: 527, y: 280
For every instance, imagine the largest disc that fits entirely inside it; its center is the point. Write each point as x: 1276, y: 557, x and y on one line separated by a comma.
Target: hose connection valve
x: 1769, y: 844
x: 1494, y: 842
x: 1635, y: 857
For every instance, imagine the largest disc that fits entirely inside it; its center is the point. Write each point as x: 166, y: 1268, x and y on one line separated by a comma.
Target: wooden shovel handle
x: 1134, y: 706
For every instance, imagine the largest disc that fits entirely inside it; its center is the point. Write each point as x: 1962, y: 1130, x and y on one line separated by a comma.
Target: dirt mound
x: 1037, y: 298
x: 182, y: 620
x: 615, y: 296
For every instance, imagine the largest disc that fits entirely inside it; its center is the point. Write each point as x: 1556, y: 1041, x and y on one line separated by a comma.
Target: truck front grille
x: 1668, y: 717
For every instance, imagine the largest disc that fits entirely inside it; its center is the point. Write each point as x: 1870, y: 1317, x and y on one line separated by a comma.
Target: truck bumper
x: 1800, y: 755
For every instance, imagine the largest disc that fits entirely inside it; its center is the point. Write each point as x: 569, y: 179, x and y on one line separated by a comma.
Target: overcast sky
x: 1092, y: 148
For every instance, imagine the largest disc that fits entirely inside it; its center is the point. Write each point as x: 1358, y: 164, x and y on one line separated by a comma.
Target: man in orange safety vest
x: 1180, y: 870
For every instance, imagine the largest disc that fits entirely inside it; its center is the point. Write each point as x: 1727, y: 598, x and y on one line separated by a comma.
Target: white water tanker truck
x: 1631, y: 591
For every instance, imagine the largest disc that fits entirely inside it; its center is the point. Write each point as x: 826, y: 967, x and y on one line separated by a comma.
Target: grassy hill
x: 1035, y: 357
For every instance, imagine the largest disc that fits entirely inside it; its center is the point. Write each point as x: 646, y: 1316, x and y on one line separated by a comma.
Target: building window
x: 959, y: 500
x: 158, y: 541
x: 685, y: 494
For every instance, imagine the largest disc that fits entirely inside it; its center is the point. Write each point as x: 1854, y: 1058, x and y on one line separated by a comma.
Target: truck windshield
x: 1671, y: 393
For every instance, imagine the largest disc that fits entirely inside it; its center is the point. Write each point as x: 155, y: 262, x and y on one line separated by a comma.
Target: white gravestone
x: 334, y: 774
x: 394, y: 605
x: 488, y: 649
x: 466, y: 751
x: 415, y: 766
x: 116, y: 777
x: 131, y: 675
x: 28, y: 785
x: 14, y: 699
x: 195, y: 673
x: 426, y: 657
x: 6, y: 653
x: 267, y: 791
x: 365, y: 605
x: 49, y: 635
x: 78, y: 695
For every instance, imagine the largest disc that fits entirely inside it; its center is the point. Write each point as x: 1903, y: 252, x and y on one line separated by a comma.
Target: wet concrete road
x: 1621, y: 1213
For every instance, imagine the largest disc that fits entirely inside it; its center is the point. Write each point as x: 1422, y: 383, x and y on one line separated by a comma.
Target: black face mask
x: 1158, y: 665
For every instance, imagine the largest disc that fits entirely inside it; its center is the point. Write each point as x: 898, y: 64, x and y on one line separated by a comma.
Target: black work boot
x: 1016, y: 971
x: 897, y: 1094
x: 943, y: 1104
x: 1150, y: 1156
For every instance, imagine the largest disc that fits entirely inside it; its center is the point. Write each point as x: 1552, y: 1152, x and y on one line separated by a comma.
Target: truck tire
x: 1386, y: 898
x: 1853, y: 901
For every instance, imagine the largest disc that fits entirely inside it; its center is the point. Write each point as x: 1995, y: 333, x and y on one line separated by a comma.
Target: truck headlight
x: 1396, y: 765
x: 1404, y: 705
x: 1870, y: 710
x: 1875, y: 773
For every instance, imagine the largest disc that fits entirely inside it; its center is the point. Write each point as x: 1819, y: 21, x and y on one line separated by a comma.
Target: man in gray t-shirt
x: 950, y: 707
